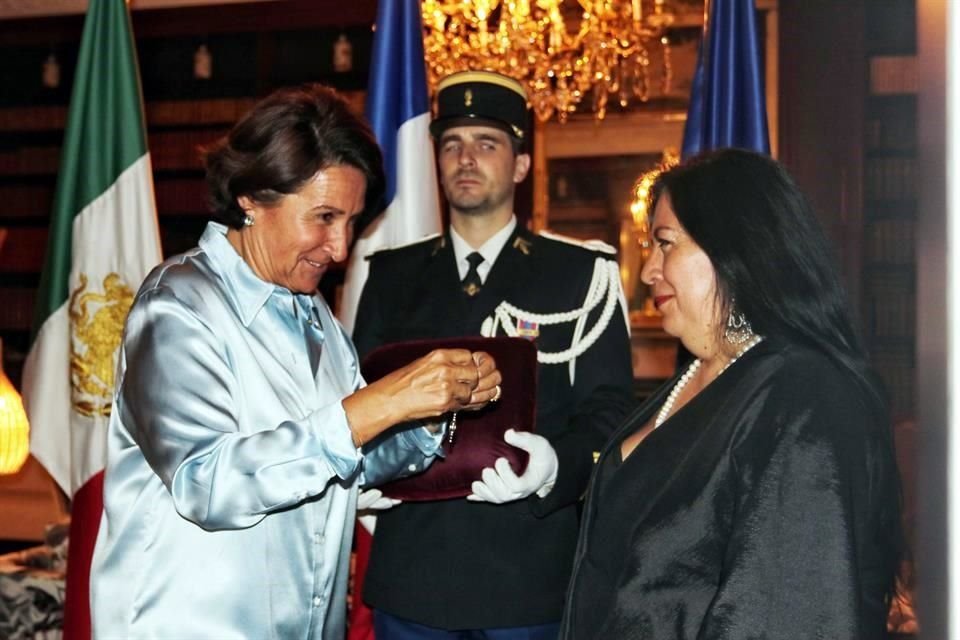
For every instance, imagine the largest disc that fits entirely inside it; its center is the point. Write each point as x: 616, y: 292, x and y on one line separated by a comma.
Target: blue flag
x: 399, y: 112
x: 727, y: 107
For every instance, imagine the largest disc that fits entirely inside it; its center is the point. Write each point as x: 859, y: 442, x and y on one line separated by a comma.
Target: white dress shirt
x: 490, y: 249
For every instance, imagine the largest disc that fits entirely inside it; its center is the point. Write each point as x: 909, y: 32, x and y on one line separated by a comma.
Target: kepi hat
x: 481, y: 98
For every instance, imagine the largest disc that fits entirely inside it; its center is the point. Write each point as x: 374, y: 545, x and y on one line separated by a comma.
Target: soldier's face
x: 478, y: 169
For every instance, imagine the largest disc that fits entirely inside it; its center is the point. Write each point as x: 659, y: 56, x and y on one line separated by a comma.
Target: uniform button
x: 412, y: 467
x: 317, y: 600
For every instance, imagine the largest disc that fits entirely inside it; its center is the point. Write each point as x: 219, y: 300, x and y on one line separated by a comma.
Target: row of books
x: 181, y: 149
x: 896, y: 368
x: 166, y: 113
x: 890, y: 299
x: 197, y: 112
x: 23, y: 250
x: 888, y: 132
x: 25, y: 201
x: 168, y: 150
x: 890, y: 178
x: 181, y: 196
x: 889, y: 241
x: 33, y: 118
x: 16, y: 312
x: 224, y: 111
x: 174, y: 196
x: 28, y: 161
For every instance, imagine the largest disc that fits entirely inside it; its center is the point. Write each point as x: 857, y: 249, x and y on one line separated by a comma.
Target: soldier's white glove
x: 374, y: 500
x: 368, y: 503
x: 500, y: 484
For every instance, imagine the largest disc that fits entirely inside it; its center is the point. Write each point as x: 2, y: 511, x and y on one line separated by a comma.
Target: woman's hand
x: 488, y: 382
x: 443, y: 380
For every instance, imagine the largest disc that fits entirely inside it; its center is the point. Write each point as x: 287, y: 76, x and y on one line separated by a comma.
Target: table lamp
x: 14, y: 428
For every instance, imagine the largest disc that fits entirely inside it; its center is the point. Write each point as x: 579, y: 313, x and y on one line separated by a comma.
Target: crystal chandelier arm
x: 563, y: 58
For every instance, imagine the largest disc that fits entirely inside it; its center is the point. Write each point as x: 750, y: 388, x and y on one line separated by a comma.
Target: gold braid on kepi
x: 481, y: 98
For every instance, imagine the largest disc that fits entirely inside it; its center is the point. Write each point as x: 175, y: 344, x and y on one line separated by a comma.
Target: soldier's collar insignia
x: 522, y: 245
x: 439, y: 244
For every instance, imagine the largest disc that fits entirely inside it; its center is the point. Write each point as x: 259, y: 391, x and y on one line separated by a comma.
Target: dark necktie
x: 471, y: 282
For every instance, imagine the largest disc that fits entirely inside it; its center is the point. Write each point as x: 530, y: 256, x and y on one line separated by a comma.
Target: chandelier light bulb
x: 202, y: 63
x: 51, y: 72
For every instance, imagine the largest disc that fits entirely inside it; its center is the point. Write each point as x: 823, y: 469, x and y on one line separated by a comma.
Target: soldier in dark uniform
x: 497, y: 564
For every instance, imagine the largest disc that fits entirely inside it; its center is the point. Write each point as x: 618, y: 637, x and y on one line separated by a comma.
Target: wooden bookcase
x: 889, y: 261
x: 890, y: 199
x: 254, y: 47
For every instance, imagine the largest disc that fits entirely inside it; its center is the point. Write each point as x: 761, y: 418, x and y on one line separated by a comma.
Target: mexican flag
x: 103, y: 241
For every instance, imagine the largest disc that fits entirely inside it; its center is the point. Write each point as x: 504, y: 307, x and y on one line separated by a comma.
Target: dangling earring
x: 738, y: 328
x: 248, y: 219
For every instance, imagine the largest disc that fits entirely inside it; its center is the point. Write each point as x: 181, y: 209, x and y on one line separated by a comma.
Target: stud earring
x: 248, y: 219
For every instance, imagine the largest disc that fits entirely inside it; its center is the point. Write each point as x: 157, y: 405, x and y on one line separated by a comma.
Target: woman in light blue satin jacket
x: 241, y: 426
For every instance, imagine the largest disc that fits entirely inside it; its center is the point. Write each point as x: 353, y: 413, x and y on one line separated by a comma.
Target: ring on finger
x: 497, y: 393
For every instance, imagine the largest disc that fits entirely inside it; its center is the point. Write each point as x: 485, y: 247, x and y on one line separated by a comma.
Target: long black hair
x: 768, y: 250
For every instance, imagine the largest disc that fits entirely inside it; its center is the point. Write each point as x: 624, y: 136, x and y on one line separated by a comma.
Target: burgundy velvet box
x: 478, y: 440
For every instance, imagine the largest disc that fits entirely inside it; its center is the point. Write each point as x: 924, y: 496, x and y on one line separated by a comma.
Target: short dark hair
x: 282, y: 143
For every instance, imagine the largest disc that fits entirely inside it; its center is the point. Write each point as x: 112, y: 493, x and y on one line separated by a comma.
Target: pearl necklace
x: 667, y: 407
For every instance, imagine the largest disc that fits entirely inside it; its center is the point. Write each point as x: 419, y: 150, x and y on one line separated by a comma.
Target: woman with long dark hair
x: 756, y: 493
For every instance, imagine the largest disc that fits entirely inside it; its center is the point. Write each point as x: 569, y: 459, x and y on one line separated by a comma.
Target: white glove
x: 500, y: 484
x: 374, y: 500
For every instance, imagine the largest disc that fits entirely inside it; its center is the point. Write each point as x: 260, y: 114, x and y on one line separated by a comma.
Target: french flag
x: 398, y: 109
x: 727, y: 100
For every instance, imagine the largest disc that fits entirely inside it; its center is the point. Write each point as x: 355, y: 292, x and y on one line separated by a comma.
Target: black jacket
x: 761, y: 509
x: 460, y: 565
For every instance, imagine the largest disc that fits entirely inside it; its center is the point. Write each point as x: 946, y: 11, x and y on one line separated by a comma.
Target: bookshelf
x: 889, y: 260
x: 890, y: 178
x: 254, y: 50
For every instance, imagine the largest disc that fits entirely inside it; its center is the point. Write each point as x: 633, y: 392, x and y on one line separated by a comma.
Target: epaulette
x: 432, y: 236
x: 522, y: 245
x: 590, y: 245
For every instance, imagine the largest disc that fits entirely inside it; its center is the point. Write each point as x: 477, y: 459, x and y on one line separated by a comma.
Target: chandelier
x: 565, y: 51
x: 642, y: 193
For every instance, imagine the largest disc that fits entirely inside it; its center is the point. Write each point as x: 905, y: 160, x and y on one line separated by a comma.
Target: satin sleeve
x: 181, y: 403
x: 402, y: 450
x: 407, y: 449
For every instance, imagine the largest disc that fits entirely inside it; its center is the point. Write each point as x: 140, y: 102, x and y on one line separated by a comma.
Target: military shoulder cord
x: 604, y: 285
